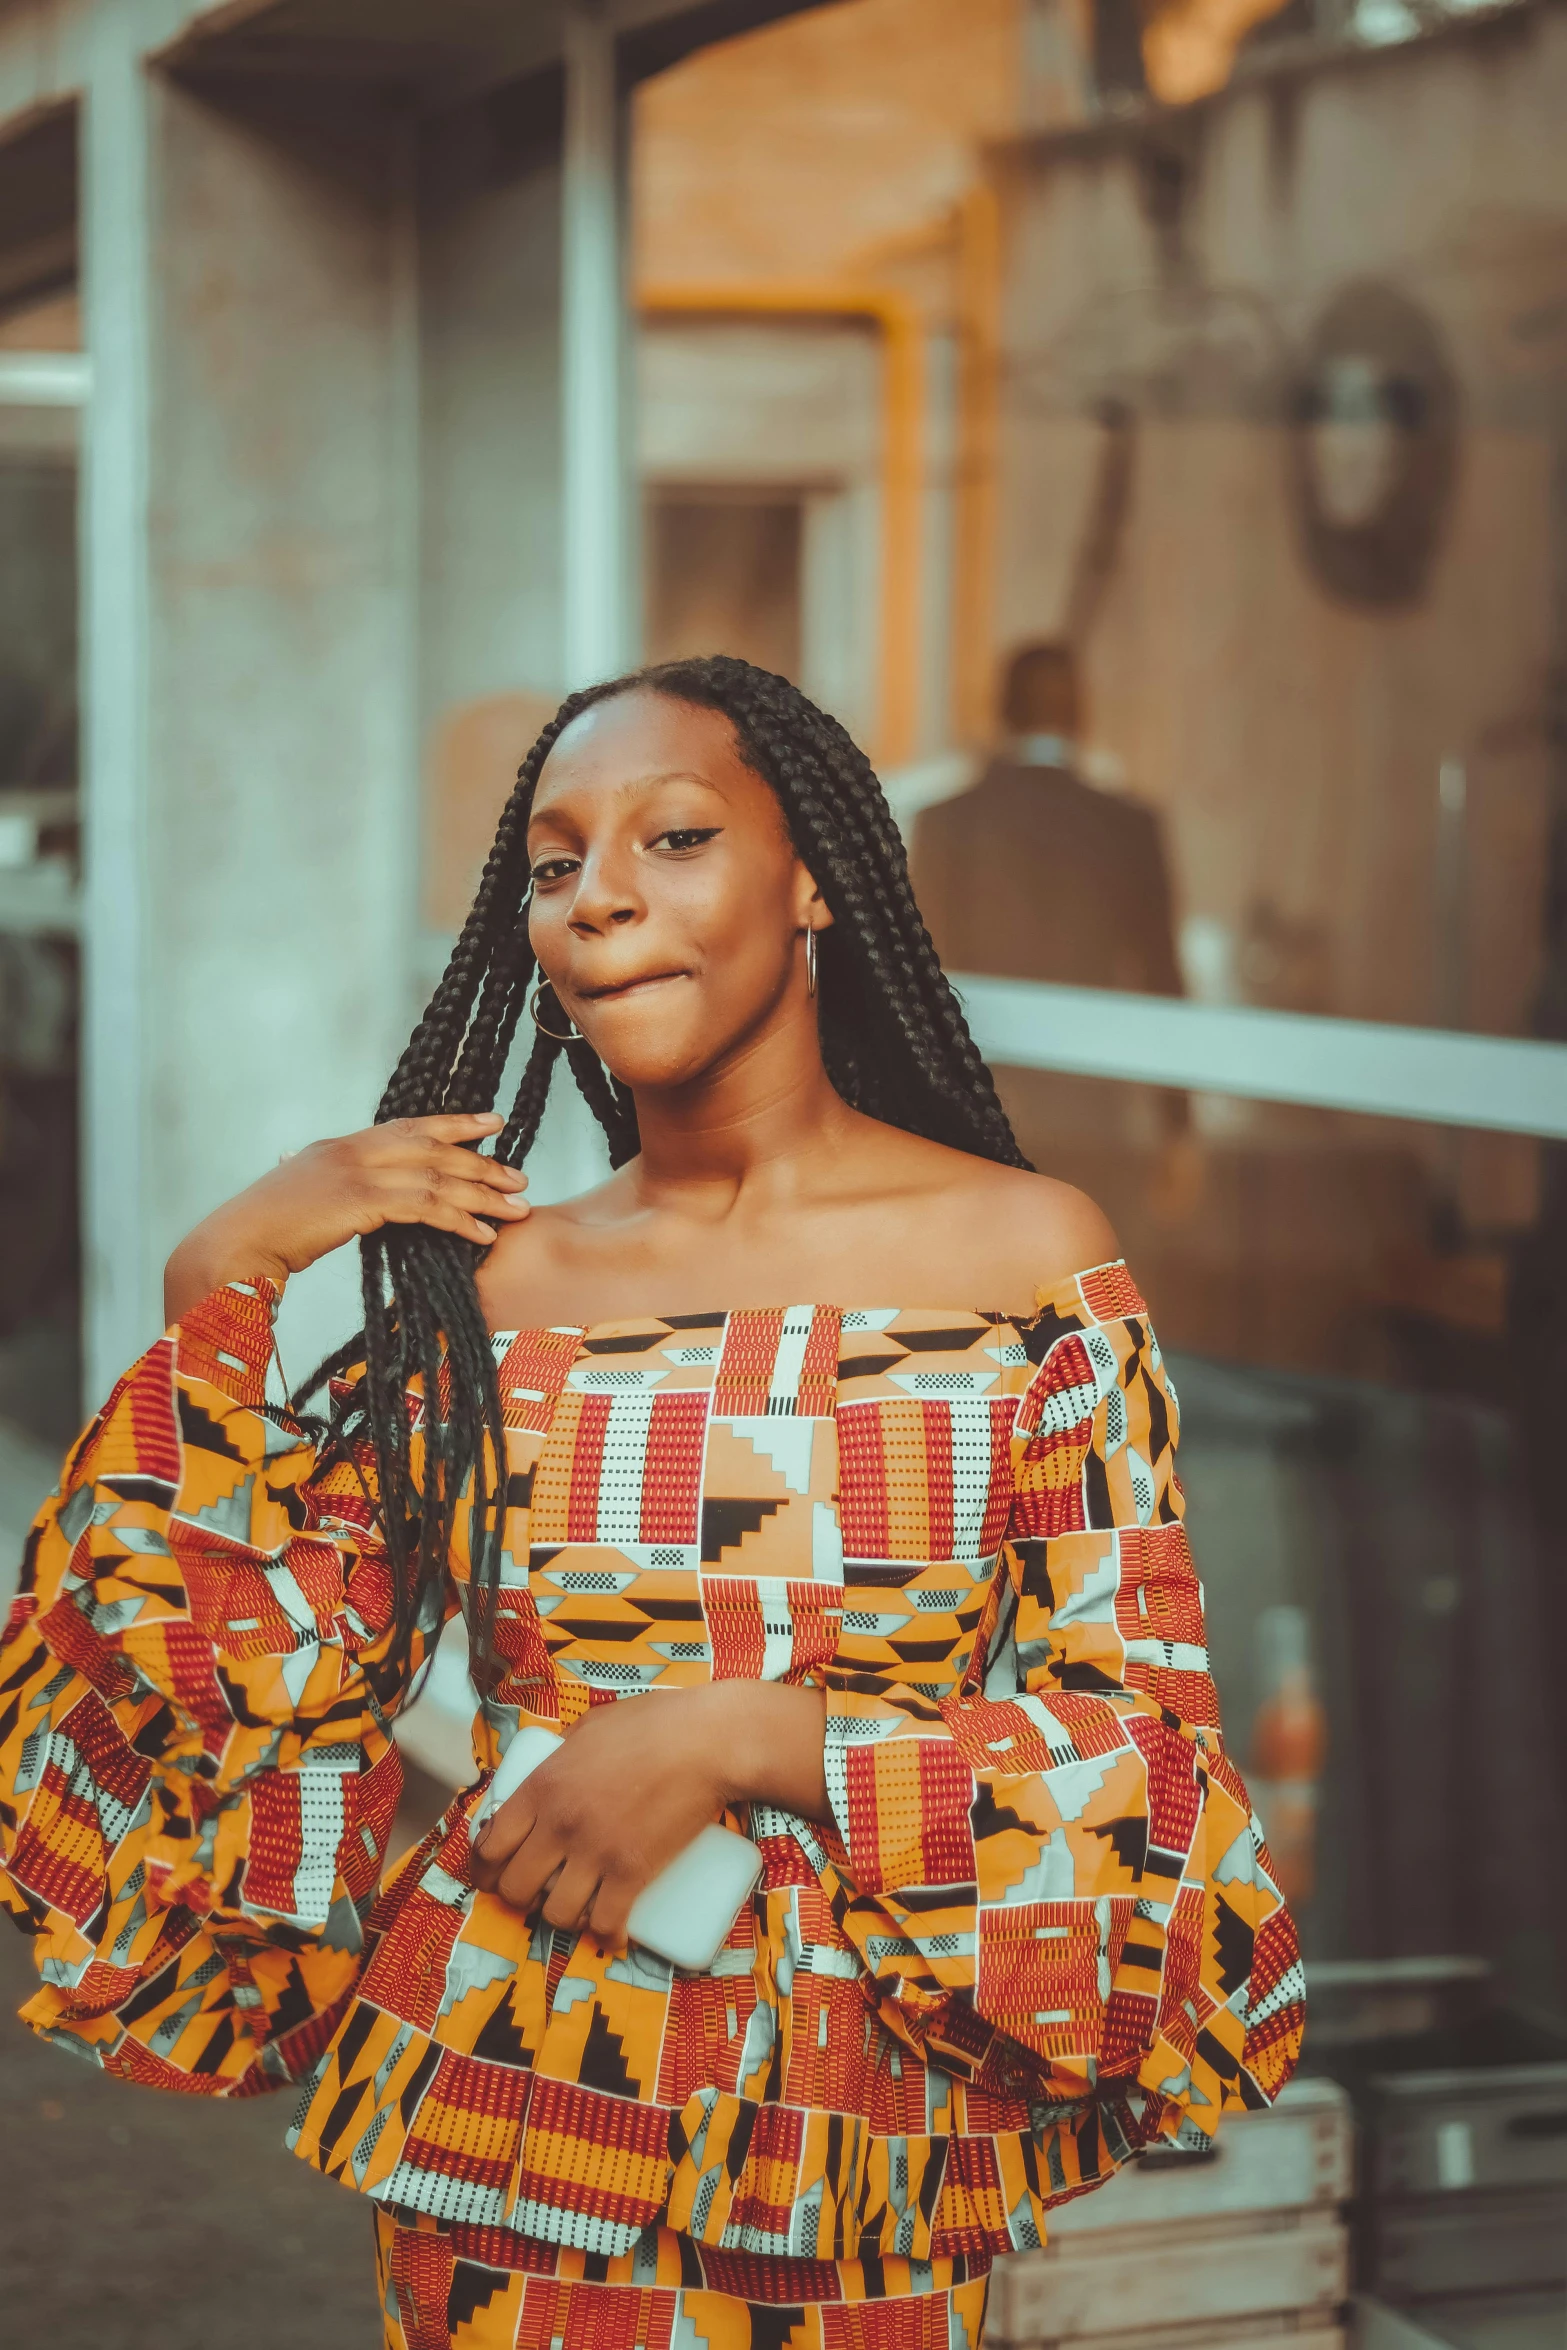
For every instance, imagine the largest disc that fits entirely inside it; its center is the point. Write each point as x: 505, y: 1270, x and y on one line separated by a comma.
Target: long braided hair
x: 894, y: 1041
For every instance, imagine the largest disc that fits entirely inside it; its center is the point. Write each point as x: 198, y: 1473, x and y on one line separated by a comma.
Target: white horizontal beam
x: 44, y: 379
x: 1509, y: 1083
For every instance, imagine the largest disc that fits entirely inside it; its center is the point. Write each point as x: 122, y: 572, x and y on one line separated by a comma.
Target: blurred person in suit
x: 1027, y: 870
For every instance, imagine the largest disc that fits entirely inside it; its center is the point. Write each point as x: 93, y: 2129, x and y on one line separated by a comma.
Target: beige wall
x: 834, y: 165
x: 1294, y: 742
x: 822, y: 146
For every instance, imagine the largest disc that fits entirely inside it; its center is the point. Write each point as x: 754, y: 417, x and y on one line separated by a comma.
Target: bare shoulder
x: 1002, y: 1234
x: 1033, y: 1231
x: 533, y: 1271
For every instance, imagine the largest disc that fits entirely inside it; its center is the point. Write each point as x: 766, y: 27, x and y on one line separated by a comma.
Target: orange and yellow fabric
x: 1039, y: 1932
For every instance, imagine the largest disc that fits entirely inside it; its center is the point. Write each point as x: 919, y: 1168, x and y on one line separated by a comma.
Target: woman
x: 907, y: 1582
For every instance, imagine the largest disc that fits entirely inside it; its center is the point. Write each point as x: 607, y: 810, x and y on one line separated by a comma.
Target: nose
x: 606, y: 896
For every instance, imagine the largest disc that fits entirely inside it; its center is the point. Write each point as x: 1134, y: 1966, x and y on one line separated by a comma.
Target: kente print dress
x: 1039, y: 1932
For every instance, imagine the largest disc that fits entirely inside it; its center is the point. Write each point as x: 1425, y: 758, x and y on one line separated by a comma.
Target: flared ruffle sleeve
x: 196, y: 1783
x: 1055, y: 1877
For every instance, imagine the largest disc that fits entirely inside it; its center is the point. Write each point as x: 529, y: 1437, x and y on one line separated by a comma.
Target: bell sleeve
x: 197, y: 1783
x: 1055, y: 1880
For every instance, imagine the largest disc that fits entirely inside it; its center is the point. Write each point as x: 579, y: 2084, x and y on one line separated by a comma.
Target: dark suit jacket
x: 1035, y: 875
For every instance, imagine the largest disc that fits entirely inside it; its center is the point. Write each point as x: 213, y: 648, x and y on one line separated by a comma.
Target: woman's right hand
x: 409, y: 1171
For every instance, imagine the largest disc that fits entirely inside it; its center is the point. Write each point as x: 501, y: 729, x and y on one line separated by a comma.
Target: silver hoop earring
x: 571, y: 1034
x: 810, y: 962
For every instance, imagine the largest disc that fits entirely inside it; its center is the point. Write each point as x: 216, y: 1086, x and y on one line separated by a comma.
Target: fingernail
x: 488, y: 1230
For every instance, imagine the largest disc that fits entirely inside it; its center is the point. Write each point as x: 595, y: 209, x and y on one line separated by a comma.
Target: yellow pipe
x: 974, y: 590
x: 902, y: 463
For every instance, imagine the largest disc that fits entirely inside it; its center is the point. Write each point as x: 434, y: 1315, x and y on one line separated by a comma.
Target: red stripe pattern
x: 1016, y: 1910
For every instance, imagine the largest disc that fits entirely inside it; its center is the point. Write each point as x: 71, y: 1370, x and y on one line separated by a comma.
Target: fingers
x: 516, y: 1856
x: 418, y: 1148
x: 446, y: 1126
x: 520, y: 1876
x: 472, y: 1199
x: 532, y: 1868
x: 403, y: 1152
x: 569, y: 1898
x: 495, y: 1173
x: 531, y: 1871
x: 467, y: 1216
x: 485, y: 1862
x: 502, y: 1835
x: 409, y: 1171
x: 610, y: 1914
x: 538, y: 1872
x: 444, y: 1217
x: 453, y: 1190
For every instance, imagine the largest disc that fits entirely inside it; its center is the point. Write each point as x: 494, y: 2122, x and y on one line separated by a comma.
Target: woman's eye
x: 552, y: 869
x: 689, y: 836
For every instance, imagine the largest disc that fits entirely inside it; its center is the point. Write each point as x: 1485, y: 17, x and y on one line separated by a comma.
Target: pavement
x: 131, y: 2219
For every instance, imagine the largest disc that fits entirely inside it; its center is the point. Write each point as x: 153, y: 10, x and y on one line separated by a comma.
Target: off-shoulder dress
x: 1039, y: 1932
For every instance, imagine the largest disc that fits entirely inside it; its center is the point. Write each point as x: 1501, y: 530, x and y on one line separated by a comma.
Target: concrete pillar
x: 493, y: 504
x: 121, y: 1289
x: 490, y: 449
x: 248, y: 662
x: 601, y: 631
x: 251, y: 669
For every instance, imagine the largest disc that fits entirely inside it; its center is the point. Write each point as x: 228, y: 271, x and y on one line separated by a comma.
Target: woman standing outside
x: 897, y: 1580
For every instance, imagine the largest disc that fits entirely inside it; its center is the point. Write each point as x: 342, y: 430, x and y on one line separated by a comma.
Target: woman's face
x: 668, y: 901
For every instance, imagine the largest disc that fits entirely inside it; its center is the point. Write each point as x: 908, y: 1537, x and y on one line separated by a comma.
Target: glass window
x: 1358, y: 1316
x: 39, y: 861
x: 1289, y: 500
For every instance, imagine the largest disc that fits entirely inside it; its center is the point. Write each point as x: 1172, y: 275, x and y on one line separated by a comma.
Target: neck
x: 1044, y: 750
x: 745, y: 1130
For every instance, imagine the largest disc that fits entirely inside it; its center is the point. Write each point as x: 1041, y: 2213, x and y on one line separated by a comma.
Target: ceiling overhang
x: 441, y: 52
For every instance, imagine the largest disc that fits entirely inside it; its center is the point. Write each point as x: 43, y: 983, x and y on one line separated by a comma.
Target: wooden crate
x: 1286, y: 2332
x: 1238, y: 2244
x: 1184, y: 2274
x: 1511, y: 2240
x: 1446, y: 2132
x: 1491, y: 2321
x: 1298, y: 2154
x: 1467, y: 2182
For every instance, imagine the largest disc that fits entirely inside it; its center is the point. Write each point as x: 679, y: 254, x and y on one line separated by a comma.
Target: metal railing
x: 1512, y: 1084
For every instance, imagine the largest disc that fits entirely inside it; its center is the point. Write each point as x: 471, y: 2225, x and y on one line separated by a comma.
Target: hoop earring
x: 810, y: 962
x: 571, y: 1034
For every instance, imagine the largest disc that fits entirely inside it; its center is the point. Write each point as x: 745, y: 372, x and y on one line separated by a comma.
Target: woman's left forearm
x: 771, y: 1735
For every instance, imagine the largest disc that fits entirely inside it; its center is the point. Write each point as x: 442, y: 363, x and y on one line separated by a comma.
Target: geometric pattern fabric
x: 1040, y: 1931
x: 459, y: 2289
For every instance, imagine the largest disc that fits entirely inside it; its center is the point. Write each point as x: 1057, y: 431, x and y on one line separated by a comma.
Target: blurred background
x: 1144, y: 422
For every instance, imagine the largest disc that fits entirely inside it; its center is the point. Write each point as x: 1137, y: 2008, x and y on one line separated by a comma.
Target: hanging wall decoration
x: 1374, y: 447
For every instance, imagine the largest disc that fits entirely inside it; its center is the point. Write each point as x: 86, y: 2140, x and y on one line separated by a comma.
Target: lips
x: 616, y: 990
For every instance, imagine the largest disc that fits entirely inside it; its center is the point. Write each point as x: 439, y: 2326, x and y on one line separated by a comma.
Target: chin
x: 650, y: 1061
x: 661, y: 1045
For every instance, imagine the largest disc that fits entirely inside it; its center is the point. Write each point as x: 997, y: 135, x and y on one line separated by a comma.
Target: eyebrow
x: 647, y: 783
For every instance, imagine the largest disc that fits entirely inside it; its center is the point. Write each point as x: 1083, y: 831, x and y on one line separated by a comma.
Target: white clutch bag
x: 685, y: 1914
